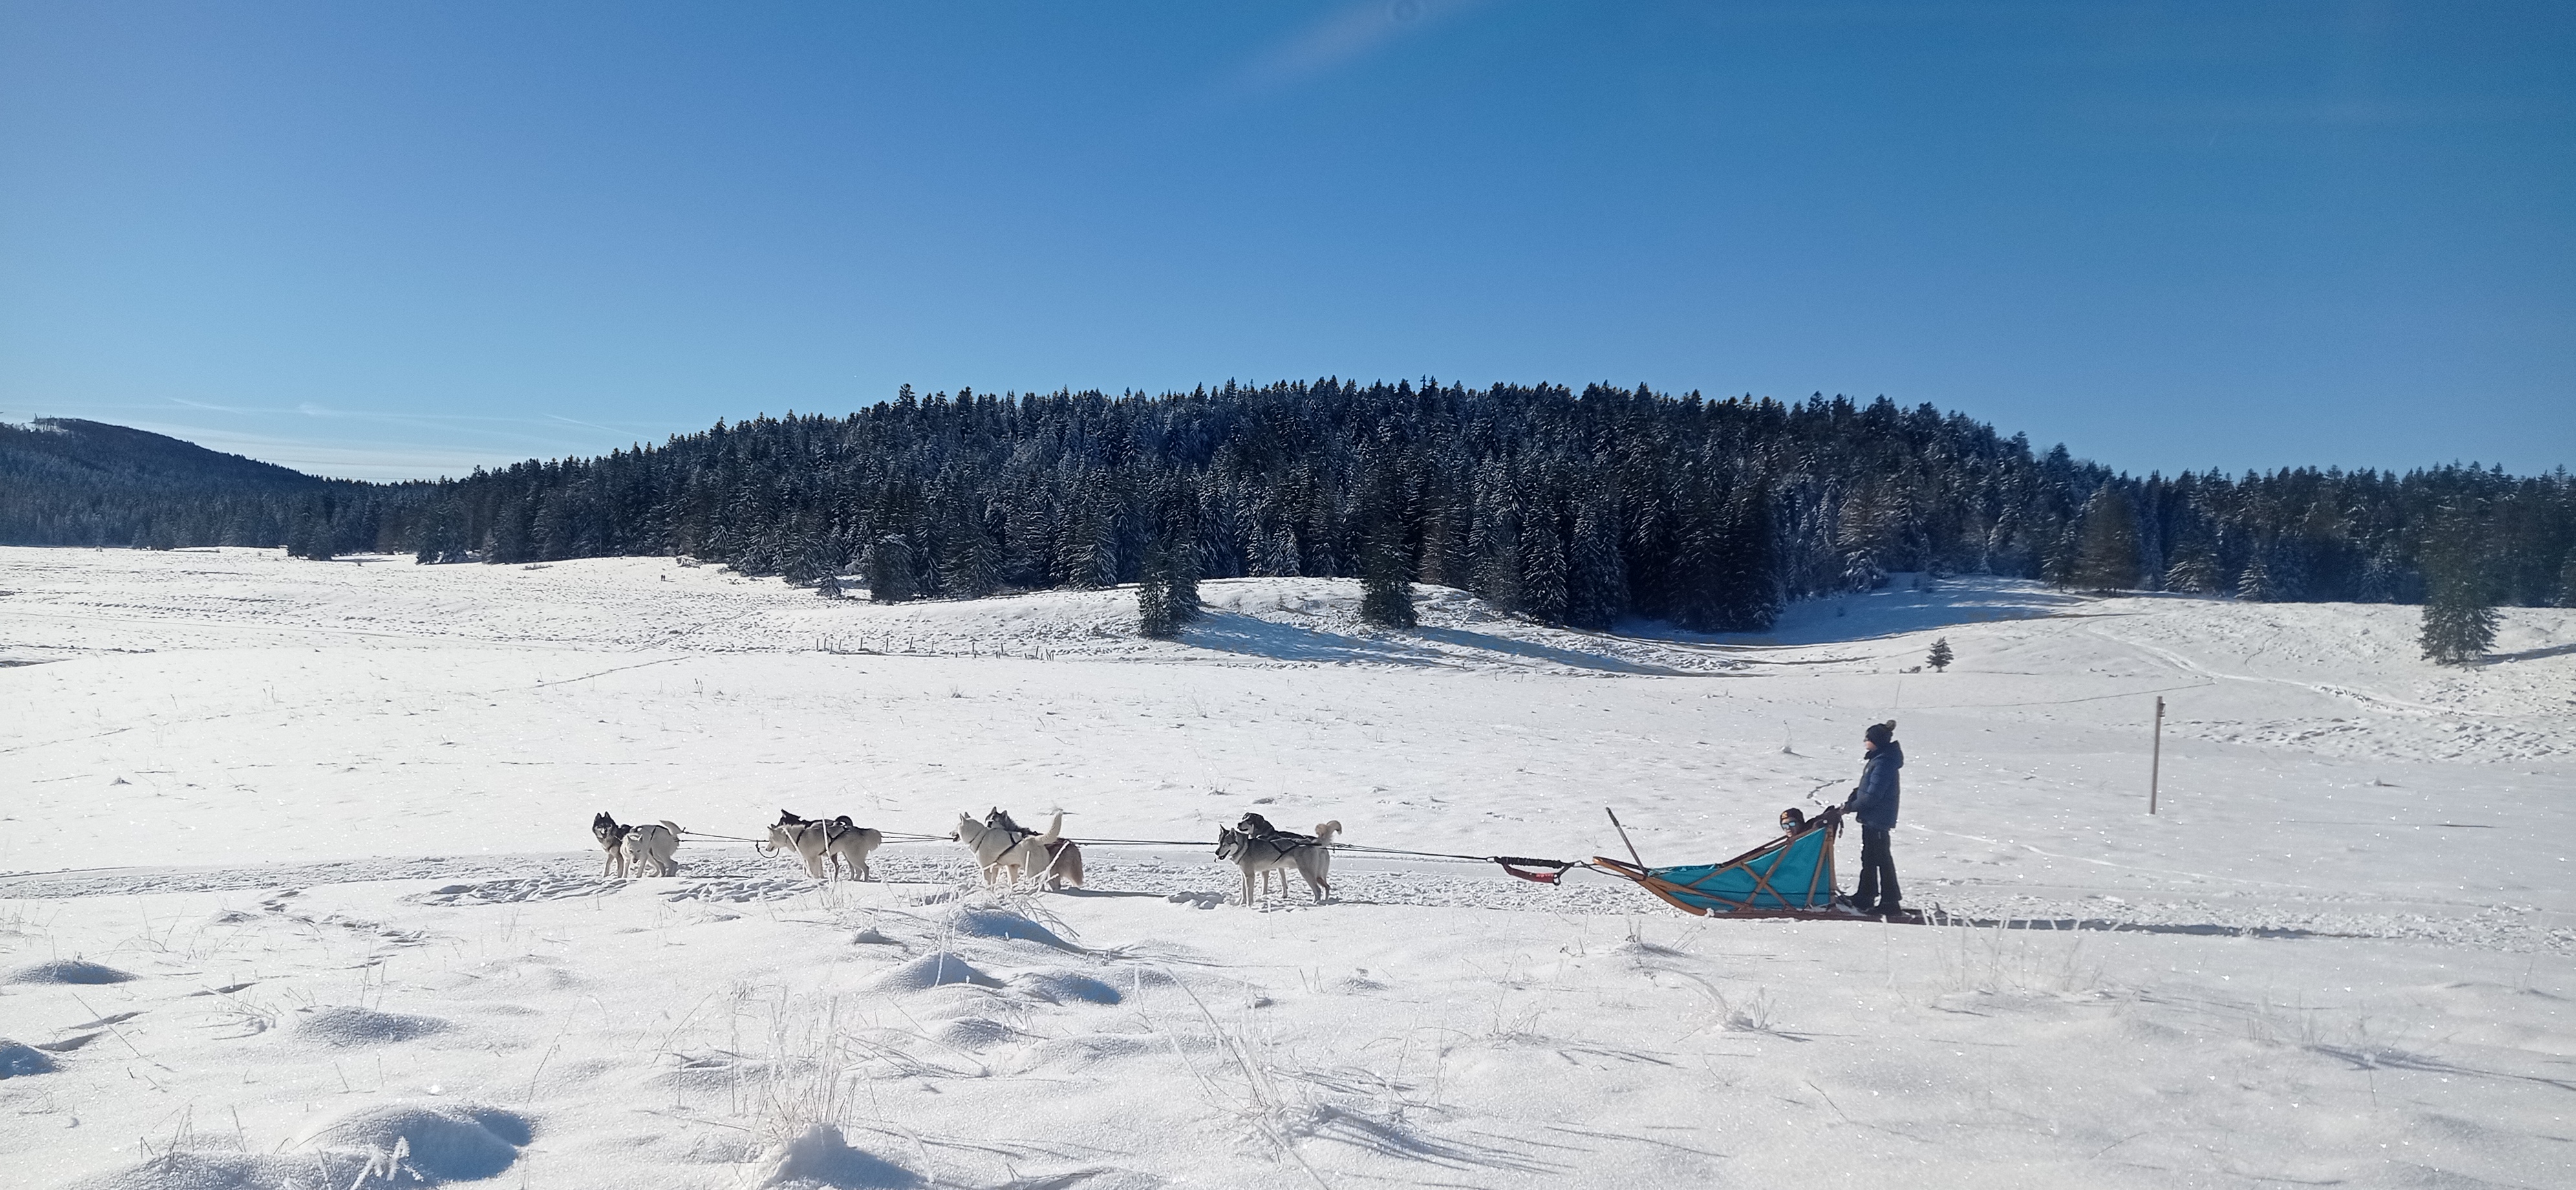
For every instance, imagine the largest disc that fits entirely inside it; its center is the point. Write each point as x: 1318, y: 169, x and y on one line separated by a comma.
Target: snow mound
x: 224, y: 1171
x: 985, y: 922
x: 936, y: 969
x: 67, y: 971
x: 441, y: 1142
x: 973, y: 1033
x: 396, y: 1144
x: 1058, y: 987
x: 348, y: 1025
x: 820, y: 1157
x: 17, y: 1059
x: 1066, y: 1055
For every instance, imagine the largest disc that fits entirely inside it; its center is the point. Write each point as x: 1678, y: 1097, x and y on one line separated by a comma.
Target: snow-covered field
x: 294, y: 874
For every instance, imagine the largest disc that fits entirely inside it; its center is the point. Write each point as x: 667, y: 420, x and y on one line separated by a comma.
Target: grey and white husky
x: 845, y: 845
x: 647, y: 846
x: 1266, y: 852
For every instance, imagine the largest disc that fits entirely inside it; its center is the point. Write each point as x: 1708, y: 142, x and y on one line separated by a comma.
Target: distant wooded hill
x: 1582, y: 508
x: 64, y: 481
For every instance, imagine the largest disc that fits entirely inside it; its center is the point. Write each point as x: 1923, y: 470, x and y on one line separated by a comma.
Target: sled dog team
x: 1005, y: 851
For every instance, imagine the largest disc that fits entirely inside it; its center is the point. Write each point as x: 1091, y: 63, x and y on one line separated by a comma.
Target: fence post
x: 2156, y: 761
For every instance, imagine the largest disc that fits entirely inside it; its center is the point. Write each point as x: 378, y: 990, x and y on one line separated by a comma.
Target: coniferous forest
x: 1581, y: 508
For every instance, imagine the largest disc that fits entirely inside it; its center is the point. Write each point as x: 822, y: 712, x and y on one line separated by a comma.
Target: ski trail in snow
x: 2358, y: 697
x: 605, y: 672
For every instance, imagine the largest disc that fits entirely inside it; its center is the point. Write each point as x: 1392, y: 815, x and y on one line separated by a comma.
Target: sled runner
x: 1791, y: 876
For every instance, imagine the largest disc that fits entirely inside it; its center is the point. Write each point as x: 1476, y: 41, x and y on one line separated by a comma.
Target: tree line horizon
x: 1577, y: 508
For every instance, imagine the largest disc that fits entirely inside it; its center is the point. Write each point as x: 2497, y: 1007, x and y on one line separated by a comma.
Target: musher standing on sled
x: 1873, y: 802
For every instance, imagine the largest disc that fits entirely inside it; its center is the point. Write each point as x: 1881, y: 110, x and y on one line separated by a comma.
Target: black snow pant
x: 1877, y: 890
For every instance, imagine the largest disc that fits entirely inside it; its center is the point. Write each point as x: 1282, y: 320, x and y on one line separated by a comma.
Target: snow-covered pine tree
x: 970, y: 562
x: 1181, y: 569
x: 2151, y: 535
x: 2107, y: 559
x: 1089, y: 554
x: 2287, y: 568
x: 1174, y: 547
x: 1386, y: 595
x: 2459, y: 622
x: 887, y: 565
x: 1940, y: 656
x: 2255, y: 585
x: 1749, y: 582
x: 1154, y: 617
x: 1543, y: 570
x: 2459, y: 595
x: 2193, y: 572
x: 1386, y: 564
x: 1597, y: 585
x: 1497, y: 546
x: 2057, y: 565
x: 310, y: 534
x: 2567, y: 581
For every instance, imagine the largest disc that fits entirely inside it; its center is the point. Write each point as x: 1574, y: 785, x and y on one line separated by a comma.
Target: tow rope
x: 1536, y: 871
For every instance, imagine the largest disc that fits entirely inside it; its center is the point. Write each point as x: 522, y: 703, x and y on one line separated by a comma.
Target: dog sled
x: 1791, y: 876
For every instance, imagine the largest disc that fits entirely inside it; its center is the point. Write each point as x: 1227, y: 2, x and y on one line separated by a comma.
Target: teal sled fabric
x: 1789, y: 875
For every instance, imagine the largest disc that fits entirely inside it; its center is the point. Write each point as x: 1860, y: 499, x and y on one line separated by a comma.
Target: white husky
x: 999, y: 849
x: 843, y: 843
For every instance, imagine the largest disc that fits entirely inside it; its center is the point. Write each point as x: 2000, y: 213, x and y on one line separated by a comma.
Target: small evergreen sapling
x: 1940, y: 656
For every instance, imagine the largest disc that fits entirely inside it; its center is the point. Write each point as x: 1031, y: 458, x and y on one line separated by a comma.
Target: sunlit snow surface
x: 299, y: 890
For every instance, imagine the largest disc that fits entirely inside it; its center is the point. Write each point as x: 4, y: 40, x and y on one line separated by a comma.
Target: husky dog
x: 612, y: 838
x: 1064, y: 856
x: 845, y: 844
x: 1253, y: 826
x: 646, y: 846
x: 1310, y: 856
x: 999, y: 849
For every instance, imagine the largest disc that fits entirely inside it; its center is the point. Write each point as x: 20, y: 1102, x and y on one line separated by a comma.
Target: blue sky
x: 400, y: 240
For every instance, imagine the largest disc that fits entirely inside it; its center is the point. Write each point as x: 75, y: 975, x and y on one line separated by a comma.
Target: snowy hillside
x: 294, y: 867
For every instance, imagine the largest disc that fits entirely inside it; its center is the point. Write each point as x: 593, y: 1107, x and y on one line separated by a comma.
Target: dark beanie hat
x: 1880, y: 733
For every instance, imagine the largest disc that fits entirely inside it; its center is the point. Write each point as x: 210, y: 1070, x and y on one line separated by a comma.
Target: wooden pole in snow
x: 2156, y: 757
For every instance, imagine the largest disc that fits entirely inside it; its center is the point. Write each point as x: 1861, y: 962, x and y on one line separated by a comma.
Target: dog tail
x: 1324, y: 831
x: 674, y: 828
x: 1054, y: 831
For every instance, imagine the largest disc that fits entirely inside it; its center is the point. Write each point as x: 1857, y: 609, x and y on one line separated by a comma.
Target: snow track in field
x: 914, y: 876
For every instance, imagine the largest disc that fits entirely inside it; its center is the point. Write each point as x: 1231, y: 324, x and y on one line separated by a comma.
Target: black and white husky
x: 1264, y: 850
x: 647, y: 846
x: 844, y: 844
